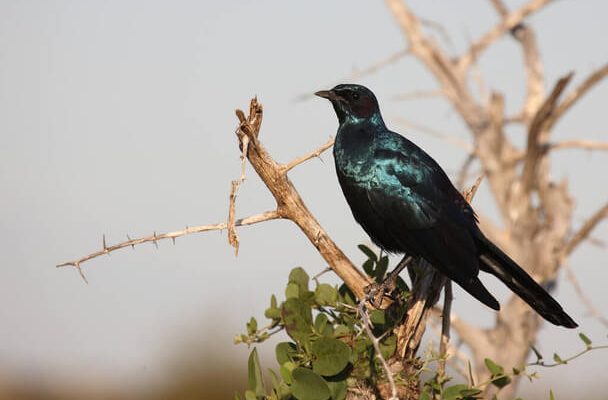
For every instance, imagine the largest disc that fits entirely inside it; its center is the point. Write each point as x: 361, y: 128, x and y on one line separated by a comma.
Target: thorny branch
x: 367, y: 325
x: 155, y: 238
x: 289, y: 205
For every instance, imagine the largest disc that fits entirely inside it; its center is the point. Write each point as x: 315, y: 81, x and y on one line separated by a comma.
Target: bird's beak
x: 327, y: 94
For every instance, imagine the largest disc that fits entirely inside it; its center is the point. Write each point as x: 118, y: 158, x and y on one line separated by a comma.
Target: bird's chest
x: 353, y: 155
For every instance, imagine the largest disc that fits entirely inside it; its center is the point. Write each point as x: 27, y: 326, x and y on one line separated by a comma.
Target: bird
x: 406, y: 203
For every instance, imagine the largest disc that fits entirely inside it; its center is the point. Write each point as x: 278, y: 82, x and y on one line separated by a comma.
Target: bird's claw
x: 374, y: 293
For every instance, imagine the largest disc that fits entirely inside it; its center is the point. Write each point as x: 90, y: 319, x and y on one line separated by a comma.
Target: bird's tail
x: 496, y: 262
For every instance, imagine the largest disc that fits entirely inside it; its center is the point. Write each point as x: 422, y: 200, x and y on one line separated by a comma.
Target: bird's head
x: 352, y: 102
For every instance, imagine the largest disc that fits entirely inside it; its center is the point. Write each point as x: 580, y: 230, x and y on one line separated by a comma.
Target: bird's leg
x: 375, y: 292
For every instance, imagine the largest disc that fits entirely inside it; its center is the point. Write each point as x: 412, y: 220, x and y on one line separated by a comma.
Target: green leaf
x: 501, y: 381
x: 250, y: 395
x: 558, y: 359
x: 321, y: 323
x: 297, y: 317
x: 381, y: 267
x: 252, y: 326
x: 368, y: 252
x: 299, y: 277
x: 332, y: 356
x: 338, y: 390
x: 551, y: 395
x: 326, y: 295
x: 494, y: 368
x: 292, y: 291
x: 237, y: 396
x: 284, y: 352
x: 347, y: 296
x: 388, y: 346
x: 286, y: 370
x: 341, y: 330
x: 272, y: 313
x: 498, y: 377
x: 585, y: 339
x: 453, y: 392
x: 368, y: 267
x: 309, y: 386
x: 470, y: 393
x: 274, y: 379
x: 424, y: 396
x: 256, y: 383
x: 273, y: 301
x: 377, y: 317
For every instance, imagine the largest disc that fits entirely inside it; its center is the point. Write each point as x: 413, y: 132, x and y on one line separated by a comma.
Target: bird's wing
x: 422, y: 209
x: 405, y: 172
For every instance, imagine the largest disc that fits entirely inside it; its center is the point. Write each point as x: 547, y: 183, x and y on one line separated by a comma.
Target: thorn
x: 65, y: 264
x: 154, y: 241
x: 173, y: 240
x: 84, y: 278
x: 103, y: 240
x: 132, y: 245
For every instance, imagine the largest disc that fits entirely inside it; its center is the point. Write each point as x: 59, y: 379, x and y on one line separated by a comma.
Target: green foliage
x: 330, y: 352
x: 328, y: 347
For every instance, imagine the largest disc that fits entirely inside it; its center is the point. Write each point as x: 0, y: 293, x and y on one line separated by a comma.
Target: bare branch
x: 537, y: 127
x: 315, y: 153
x: 469, y: 194
x: 429, y: 53
x: 593, y: 311
x: 509, y: 22
x: 578, y: 144
x: 445, y: 326
x: 233, y: 237
x: 585, y: 230
x: 533, y: 64
x: 254, y: 219
x: 291, y: 206
x: 594, y: 78
x: 367, y: 325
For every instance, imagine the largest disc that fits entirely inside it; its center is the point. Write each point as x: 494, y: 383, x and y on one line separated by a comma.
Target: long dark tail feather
x: 496, y: 262
x: 479, y: 291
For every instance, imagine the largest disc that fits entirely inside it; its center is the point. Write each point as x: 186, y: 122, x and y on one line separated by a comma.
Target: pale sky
x: 117, y: 117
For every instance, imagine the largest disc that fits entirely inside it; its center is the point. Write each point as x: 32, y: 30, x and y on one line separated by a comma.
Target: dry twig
x: 584, y: 231
x: 367, y: 325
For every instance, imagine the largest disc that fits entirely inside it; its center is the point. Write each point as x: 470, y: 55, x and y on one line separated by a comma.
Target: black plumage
x: 406, y: 203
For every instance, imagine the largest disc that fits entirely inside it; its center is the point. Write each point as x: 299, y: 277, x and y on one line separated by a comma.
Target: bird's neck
x: 356, y: 139
x: 352, y: 121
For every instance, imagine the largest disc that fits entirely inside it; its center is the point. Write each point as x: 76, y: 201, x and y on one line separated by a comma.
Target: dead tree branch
x: 537, y: 127
x: 155, y: 238
x: 573, y: 97
x: 583, y: 233
x: 507, y: 23
x: 289, y: 206
x: 367, y: 326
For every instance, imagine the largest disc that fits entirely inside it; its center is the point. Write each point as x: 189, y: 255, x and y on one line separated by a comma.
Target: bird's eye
x: 355, y: 96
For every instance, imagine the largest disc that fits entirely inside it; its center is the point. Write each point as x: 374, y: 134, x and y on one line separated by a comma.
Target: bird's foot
x: 375, y: 293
